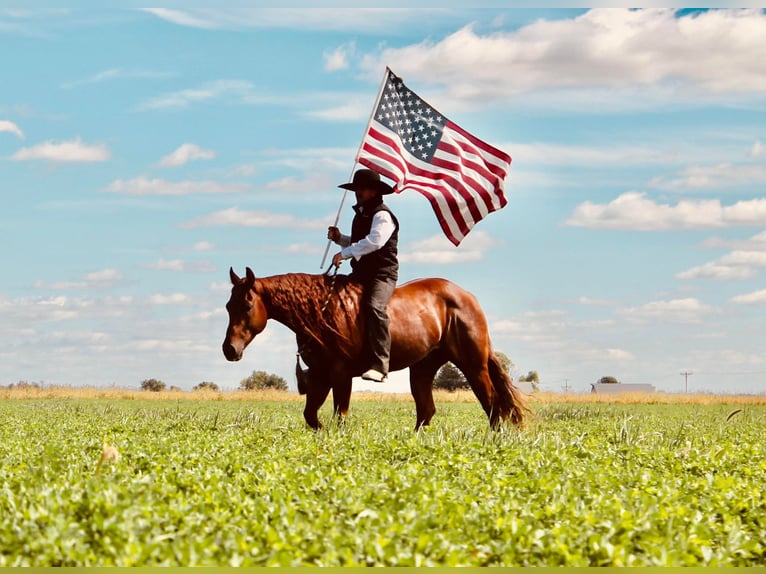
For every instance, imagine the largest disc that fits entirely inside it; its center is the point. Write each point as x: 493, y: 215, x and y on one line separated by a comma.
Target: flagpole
x: 356, y: 160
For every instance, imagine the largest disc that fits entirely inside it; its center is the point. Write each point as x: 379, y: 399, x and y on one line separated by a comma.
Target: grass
x: 221, y: 481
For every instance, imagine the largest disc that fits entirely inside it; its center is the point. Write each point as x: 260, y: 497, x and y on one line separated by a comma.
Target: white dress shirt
x: 381, y: 231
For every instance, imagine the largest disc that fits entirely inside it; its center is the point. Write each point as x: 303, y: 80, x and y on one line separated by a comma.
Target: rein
x: 332, y: 286
x: 301, y: 374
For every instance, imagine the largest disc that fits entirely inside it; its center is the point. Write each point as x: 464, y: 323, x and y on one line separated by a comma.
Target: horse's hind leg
x: 481, y: 384
x: 341, y: 396
x: 421, y: 384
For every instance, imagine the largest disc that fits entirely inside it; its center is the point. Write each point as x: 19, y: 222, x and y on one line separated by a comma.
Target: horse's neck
x: 295, y: 300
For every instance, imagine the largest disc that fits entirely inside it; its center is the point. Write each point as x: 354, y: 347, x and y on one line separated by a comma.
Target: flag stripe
x: 462, y: 185
x: 484, y: 146
x: 381, y: 152
x: 474, y: 174
x: 497, y: 166
x: 438, y: 202
x: 445, y: 207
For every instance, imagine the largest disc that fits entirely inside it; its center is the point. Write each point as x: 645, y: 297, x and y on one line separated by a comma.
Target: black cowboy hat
x: 366, y: 178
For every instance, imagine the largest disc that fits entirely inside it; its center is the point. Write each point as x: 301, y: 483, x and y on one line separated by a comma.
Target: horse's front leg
x: 341, y: 396
x: 316, y: 395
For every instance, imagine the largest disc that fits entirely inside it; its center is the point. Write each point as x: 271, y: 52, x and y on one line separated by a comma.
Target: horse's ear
x: 235, y: 280
x: 250, y: 276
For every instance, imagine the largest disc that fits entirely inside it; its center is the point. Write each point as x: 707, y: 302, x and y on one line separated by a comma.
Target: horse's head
x: 247, y: 315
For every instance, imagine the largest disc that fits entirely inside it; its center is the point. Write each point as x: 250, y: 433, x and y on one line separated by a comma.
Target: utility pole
x: 566, y: 386
x: 685, y: 375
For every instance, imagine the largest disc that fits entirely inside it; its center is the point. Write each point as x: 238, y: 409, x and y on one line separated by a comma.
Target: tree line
x: 258, y: 380
x: 448, y: 378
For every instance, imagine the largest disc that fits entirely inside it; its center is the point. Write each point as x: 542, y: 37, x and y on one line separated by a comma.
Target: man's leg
x: 376, y: 296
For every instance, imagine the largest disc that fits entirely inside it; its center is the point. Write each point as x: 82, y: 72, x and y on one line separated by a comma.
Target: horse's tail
x: 509, y: 401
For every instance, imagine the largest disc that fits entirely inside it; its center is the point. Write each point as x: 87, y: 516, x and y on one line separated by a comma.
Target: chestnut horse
x: 432, y: 321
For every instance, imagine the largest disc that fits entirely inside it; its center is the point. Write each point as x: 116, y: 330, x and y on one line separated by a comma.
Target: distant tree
x: 175, y: 389
x: 152, y: 385
x: 263, y: 380
x: 505, y: 361
x: 206, y: 386
x: 450, y: 378
x: 531, y: 377
x: 608, y: 381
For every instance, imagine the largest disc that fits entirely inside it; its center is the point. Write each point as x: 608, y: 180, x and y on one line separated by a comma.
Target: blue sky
x: 144, y: 151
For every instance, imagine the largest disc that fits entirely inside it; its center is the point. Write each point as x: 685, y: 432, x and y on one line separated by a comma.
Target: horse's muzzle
x: 230, y: 352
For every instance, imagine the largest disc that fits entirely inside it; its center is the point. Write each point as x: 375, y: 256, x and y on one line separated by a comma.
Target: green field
x: 245, y: 483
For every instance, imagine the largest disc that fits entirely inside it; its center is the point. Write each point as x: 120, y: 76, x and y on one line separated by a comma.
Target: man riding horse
x: 372, y: 248
x: 432, y: 321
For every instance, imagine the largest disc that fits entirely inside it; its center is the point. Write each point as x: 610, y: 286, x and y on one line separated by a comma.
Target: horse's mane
x: 296, y: 300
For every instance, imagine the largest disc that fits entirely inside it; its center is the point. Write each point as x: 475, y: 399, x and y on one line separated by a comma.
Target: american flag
x: 411, y: 143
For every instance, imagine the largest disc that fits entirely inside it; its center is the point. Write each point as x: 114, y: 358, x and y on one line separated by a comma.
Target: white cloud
x: 757, y: 258
x: 717, y: 271
x: 104, y: 275
x: 236, y: 90
x: 313, y: 181
x: 754, y: 298
x: 311, y: 159
x: 182, y: 18
x: 439, y: 250
x: 235, y: 217
x: 757, y: 149
x: 32, y: 311
x: 717, y: 176
x: 172, y: 299
x: 618, y: 355
x: 114, y: 74
x: 338, y: 58
x: 634, y: 211
x: 689, y: 310
x: 738, y: 264
x: 350, y: 111
x: 220, y: 287
x: 73, y: 151
x: 145, y: 186
x: 305, y: 248
x: 203, y: 246
x: 584, y: 156
x: 181, y: 265
x: 612, y: 48
x: 356, y: 20
x: 104, y: 279
x: 242, y: 170
x: 595, y: 302
x: 356, y: 105
x: 10, y: 127
x: 755, y: 243
x: 184, y: 154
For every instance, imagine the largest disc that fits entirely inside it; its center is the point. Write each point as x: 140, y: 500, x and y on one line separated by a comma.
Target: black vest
x: 382, y: 263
